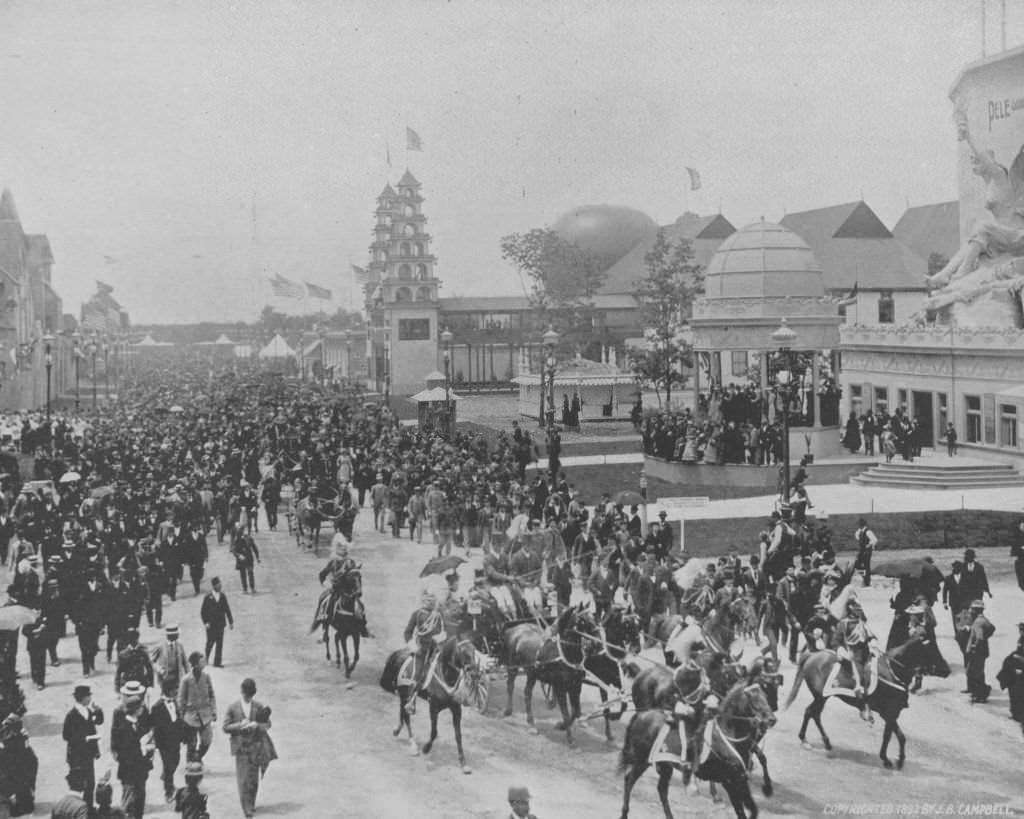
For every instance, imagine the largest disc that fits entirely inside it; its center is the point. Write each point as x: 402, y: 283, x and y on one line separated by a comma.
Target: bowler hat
x: 82, y: 689
x: 978, y: 604
x: 518, y: 793
x: 172, y: 631
x: 249, y: 685
x: 194, y: 770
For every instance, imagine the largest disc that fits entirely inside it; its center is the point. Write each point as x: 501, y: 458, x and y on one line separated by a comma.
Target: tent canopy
x: 277, y: 347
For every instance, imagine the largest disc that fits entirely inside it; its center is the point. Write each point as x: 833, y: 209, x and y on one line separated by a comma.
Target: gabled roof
x: 928, y: 229
x: 853, y: 247
x: 408, y: 180
x: 705, y: 234
x: 8, y: 211
x: 388, y: 192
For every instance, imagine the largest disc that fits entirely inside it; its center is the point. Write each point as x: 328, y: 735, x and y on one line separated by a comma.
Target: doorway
x: 922, y: 410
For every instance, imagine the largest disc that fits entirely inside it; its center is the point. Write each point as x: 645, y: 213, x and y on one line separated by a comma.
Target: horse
x: 887, y: 698
x: 619, y: 634
x: 346, y: 620
x: 309, y: 517
x: 556, y: 659
x: 443, y: 689
x: 729, y: 739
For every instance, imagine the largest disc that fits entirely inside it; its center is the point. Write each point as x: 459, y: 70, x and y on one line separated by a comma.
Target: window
x: 886, y: 307
x: 414, y: 329
x: 405, y: 273
x: 405, y: 249
x: 881, y: 399
x: 943, y: 402
x: 973, y: 418
x: 403, y: 294
x: 409, y: 210
x: 1008, y: 425
x: 739, y: 363
x: 418, y: 248
x: 422, y: 294
x: 902, y: 399
x: 421, y: 272
x: 857, y: 398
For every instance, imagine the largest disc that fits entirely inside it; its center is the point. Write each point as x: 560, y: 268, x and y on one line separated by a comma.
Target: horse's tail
x: 797, y: 680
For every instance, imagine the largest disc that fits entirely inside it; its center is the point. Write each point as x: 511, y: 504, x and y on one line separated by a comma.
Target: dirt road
x: 338, y: 757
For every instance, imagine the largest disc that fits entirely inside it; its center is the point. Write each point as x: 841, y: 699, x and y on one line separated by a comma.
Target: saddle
x: 841, y: 682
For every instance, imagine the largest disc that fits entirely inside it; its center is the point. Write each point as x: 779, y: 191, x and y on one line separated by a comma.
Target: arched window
x: 410, y: 210
x: 403, y: 294
x: 405, y: 273
x: 419, y: 249
x: 423, y: 294
x: 406, y: 249
x: 409, y: 230
x: 421, y: 272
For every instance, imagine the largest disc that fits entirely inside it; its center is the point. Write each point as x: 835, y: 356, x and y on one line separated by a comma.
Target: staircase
x: 940, y: 472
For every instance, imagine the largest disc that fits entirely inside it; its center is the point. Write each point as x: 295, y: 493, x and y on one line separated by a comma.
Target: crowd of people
x: 123, y: 501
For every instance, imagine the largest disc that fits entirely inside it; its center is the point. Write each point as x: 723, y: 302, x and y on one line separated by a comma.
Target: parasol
x: 14, y: 617
x: 70, y: 477
x: 440, y: 565
x: 177, y: 408
x: 627, y: 497
x: 101, y: 492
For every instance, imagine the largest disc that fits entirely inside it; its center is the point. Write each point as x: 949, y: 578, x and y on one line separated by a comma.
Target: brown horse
x: 442, y: 689
x: 310, y: 517
x: 896, y: 670
x: 347, y: 620
x: 555, y: 659
x: 619, y: 634
x: 742, y: 720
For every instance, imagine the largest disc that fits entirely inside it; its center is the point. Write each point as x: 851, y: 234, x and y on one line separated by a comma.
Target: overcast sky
x: 143, y: 137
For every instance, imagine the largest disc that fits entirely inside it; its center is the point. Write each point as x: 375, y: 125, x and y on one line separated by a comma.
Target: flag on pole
x: 361, y: 275
x: 694, y: 179
x: 387, y: 153
x: 851, y: 298
x: 283, y: 288
x: 316, y: 292
x: 412, y: 140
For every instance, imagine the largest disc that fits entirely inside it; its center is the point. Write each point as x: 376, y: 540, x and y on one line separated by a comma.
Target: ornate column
x: 814, y: 390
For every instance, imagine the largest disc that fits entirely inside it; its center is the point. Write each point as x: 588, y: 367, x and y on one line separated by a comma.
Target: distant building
x: 862, y: 260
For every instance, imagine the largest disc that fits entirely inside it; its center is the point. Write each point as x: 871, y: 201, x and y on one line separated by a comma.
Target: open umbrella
x: 627, y: 497
x: 101, y: 492
x: 70, y: 477
x: 440, y: 565
x: 14, y: 617
x: 177, y: 408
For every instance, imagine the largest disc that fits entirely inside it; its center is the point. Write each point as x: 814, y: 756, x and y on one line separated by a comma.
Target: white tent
x: 149, y: 342
x: 277, y: 348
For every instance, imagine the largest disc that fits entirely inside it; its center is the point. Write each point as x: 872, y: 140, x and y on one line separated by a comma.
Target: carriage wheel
x: 479, y: 692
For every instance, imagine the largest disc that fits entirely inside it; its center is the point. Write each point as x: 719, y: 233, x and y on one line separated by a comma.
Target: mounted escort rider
x: 338, y: 569
x: 853, y: 642
x: 424, y: 633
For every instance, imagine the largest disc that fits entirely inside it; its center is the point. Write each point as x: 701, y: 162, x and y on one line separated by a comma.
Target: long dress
x: 1011, y: 678
x: 851, y: 439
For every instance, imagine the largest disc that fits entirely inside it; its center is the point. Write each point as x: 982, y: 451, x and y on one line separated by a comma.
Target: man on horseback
x: 424, y: 632
x: 852, y: 641
x: 338, y: 569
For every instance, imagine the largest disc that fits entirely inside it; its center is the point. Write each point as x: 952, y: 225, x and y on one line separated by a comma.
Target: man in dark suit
x: 954, y: 597
x: 247, y: 723
x: 117, y: 613
x: 88, y: 612
x: 216, y: 613
x: 169, y: 733
x: 82, y: 737
x: 132, y: 748
x: 975, y: 579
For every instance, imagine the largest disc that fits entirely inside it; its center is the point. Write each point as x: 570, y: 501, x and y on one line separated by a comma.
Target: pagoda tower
x: 403, y: 291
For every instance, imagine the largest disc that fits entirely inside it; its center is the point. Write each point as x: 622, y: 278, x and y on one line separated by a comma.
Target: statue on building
x: 990, y: 264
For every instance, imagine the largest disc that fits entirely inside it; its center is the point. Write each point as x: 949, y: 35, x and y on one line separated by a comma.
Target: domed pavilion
x: 763, y: 277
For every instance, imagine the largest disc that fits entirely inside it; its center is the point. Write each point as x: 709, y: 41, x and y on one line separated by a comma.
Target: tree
x: 666, y: 298
x: 564, y: 278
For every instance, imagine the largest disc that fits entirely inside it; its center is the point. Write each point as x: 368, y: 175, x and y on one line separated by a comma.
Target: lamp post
x: 784, y: 337
x: 348, y: 357
x: 321, y: 334
x: 76, y: 348
x: 48, y: 363
x: 387, y: 368
x: 93, y: 348
x: 446, y: 340
x: 106, y: 368
x: 550, y: 343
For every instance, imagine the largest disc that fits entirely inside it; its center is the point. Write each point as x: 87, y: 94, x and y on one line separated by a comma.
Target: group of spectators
x: 689, y: 438
x: 889, y: 435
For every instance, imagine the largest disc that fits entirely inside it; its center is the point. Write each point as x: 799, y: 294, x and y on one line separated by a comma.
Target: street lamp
x: 76, y: 347
x: 784, y: 338
x: 348, y: 356
x: 48, y: 362
x: 550, y: 343
x: 387, y: 368
x: 106, y: 368
x: 446, y: 340
x: 93, y: 348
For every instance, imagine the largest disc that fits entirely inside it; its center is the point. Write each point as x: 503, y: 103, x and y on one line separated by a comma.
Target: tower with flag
x: 401, y: 290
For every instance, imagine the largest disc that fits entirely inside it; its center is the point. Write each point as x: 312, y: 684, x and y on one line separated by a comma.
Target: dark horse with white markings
x: 730, y: 737
x: 896, y: 670
x: 619, y: 634
x: 347, y: 619
x: 555, y: 659
x: 443, y: 688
